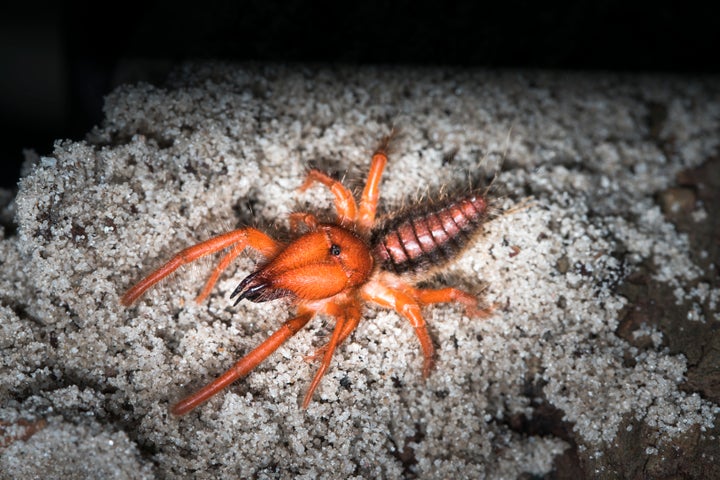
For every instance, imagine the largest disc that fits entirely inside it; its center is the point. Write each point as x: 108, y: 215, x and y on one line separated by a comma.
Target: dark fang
x: 256, y: 289
x: 245, y: 290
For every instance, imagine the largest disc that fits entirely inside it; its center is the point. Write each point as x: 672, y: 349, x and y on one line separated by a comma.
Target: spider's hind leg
x: 427, y: 296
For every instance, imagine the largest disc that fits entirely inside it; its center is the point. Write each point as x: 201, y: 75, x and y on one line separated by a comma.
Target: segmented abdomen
x: 427, y: 236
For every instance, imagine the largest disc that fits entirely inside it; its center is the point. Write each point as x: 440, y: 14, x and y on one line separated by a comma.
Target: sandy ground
x: 85, y: 384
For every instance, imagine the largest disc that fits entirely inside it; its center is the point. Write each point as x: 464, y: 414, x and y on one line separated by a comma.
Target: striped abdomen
x: 424, y: 237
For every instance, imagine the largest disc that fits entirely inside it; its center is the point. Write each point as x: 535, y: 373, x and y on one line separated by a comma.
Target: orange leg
x: 300, y: 217
x: 237, y: 238
x: 408, y: 308
x: 344, y: 202
x: 327, y: 357
x: 371, y: 193
x: 245, y: 365
x: 226, y: 260
x: 352, y: 313
x: 444, y: 295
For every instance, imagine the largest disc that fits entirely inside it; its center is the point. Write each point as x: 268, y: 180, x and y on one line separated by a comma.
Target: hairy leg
x: 340, y: 322
x: 344, y: 201
x: 352, y: 317
x: 446, y: 295
x: 297, y: 218
x: 406, y: 306
x: 371, y: 193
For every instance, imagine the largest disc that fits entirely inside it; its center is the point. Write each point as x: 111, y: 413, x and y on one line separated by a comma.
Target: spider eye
x: 334, y: 250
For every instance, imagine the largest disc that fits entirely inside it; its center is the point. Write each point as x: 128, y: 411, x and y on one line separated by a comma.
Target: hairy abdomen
x: 426, y: 236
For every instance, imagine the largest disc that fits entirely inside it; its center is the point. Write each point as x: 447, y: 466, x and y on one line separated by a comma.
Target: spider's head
x: 317, y: 265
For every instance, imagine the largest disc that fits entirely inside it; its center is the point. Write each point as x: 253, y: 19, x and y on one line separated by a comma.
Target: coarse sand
x: 85, y: 383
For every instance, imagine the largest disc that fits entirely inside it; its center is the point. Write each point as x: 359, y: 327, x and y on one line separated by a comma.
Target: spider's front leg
x: 345, y: 205
x: 308, y: 219
x: 371, y: 193
x: 237, y: 239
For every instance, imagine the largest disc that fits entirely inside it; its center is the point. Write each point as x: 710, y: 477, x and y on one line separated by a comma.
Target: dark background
x: 58, y: 61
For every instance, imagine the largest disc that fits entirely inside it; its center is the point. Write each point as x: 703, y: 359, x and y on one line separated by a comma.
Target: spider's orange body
x: 333, y: 268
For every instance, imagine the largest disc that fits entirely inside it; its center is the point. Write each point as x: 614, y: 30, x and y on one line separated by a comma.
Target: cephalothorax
x: 333, y: 268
